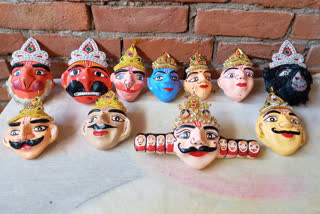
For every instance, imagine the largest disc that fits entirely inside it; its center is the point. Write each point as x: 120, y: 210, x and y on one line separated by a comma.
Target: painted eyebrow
x: 248, y: 68
x: 229, y: 69
x: 16, y: 65
x: 161, y: 72
x: 120, y: 70
x: 14, y: 124
x: 210, y: 127
x: 293, y: 114
x: 94, y: 110
x: 40, y: 121
x: 117, y: 111
x: 185, y: 126
x: 173, y: 72
x: 192, y: 73
x: 139, y: 72
x: 272, y: 111
x: 97, y: 67
x: 41, y: 66
x: 76, y: 66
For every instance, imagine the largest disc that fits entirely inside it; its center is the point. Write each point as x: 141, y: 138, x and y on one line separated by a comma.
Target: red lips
x: 203, y: 86
x: 198, y: 154
x: 130, y: 91
x: 287, y: 135
x: 25, y: 147
x: 241, y: 84
x: 168, y: 89
x: 100, y: 133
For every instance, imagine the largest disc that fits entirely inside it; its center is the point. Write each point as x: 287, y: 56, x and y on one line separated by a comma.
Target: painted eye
x: 117, y: 119
x: 98, y: 74
x: 14, y: 132
x: 194, y: 79
x: 92, y: 119
x: 249, y: 74
x: 40, y: 128
x: 184, y: 135
x: 158, y: 78
x: 38, y: 72
x: 140, y: 77
x: 231, y: 75
x: 294, y: 121
x: 119, y: 77
x: 284, y: 72
x: 272, y: 119
x: 17, y: 73
x: 208, y: 78
x: 211, y: 136
x: 174, y: 78
x: 74, y: 72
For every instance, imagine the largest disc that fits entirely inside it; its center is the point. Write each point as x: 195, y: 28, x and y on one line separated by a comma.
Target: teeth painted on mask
x: 77, y: 94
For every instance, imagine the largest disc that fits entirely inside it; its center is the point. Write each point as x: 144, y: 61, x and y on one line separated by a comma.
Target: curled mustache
x: 288, y: 132
x: 194, y: 149
x: 104, y: 126
x: 19, y: 144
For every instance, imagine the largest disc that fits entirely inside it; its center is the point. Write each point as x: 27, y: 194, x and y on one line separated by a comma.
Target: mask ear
x: 149, y: 83
x: 303, y: 138
x: 112, y: 77
x: 127, y: 130
x: 6, y: 142
x: 54, y: 132
x: 83, y: 128
x: 64, y: 79
x: 219, y: 82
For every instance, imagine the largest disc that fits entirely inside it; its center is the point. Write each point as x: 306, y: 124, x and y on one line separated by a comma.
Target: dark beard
x: 194, y: 149
x: 19, y: 144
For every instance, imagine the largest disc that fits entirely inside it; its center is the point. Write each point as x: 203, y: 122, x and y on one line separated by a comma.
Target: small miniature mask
x: 129, y: 77
x: 198, y: 79
x: 87, y: 78
x: 288, y: 76
x: 31, y: 131
x: 278, y: 127
x: 236, y: 79
x: 30, y: 75
x: 196, y: 139
x: 107, y: 124
x: 164, y: 81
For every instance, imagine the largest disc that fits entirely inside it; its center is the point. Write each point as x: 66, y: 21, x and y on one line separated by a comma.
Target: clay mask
x: 31, y: 131
x: 30, y: 74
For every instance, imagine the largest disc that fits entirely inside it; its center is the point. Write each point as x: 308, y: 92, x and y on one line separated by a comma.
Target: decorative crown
x: 88, y: 51
x: 33, y: 109
x: 273, y: 102
x: 197, y: 61
x: 194, y: 109
x: 165, y: 61
x: 109, y: 100
x: 30, y: 51
x: 131, y: 57
x: 287, y: 55
x: 236, y: 59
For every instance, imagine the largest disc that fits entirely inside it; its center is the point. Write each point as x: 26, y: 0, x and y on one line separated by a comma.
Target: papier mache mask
x: 87, y: 78
x: 31, y: 131
x: 30, y: 75
x: 107, y: 123
x: 129, y: 76
x: 164, y: 81
x: 198, y: 77
x: 278, y: 127
x: 236, y: 79
x: 288, y: 76
x: 196, y: 139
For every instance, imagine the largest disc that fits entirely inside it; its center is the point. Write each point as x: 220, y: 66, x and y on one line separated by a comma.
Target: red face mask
x: 30, y: 79
x: 86, y: 81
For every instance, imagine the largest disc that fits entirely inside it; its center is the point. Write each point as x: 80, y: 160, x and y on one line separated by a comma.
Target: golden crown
x: 236, y: 59
x: 131, y: 57
x: 109, y: 100
x: 197, y: 61
x: 273, y: 102
x: 165, y: 61
x: 194, y: 109
x: 33, y: 109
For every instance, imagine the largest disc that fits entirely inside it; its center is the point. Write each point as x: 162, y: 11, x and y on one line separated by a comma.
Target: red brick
x: 140, y: 19
x: 314, y: 70
x: 10, y: 42
x: 4, y: 69
x: 282, y: 3
x: 259, y: 24
x: 58, y: 45
x: 200, y: 1
x: 252, y: 49
x: 57, y: 68
x: 4, y: 94
x: 150, y: 48
x: 306, y: 26
x: 313, y: 57
x: 45, y: 16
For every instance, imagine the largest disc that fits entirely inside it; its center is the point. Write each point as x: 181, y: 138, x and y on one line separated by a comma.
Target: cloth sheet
x: 72, y: 176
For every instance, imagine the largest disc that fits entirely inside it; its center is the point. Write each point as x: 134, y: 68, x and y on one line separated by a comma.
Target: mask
x: 87, y: 78
x: 31, y: 131
x: 164, y: 81
x: 30, y: 74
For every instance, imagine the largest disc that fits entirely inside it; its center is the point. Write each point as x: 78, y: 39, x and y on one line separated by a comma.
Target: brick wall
x: 212, y: 27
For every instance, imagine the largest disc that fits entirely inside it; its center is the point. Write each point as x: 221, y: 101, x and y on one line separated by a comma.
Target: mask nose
x: 87, y: 80
x: 129, y: 81
x: 26, y: 133
x: 26, y: 78
x: 285, y: 124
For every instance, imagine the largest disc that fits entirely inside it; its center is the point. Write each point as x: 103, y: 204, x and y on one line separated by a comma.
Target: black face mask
x: 282, y: 85
x: 104, y: 126
x: 194, y: 149
x: 19, y: 144
x: 76, y: 86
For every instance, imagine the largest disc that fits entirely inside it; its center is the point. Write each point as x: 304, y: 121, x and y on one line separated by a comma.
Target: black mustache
x: 104, y: 126
x: 19, y: 144
x: 76, y: 86
x: 194, y: 149
x: 288, y: 132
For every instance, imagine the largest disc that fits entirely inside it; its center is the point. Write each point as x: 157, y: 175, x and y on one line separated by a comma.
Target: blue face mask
x: 165, y: 84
